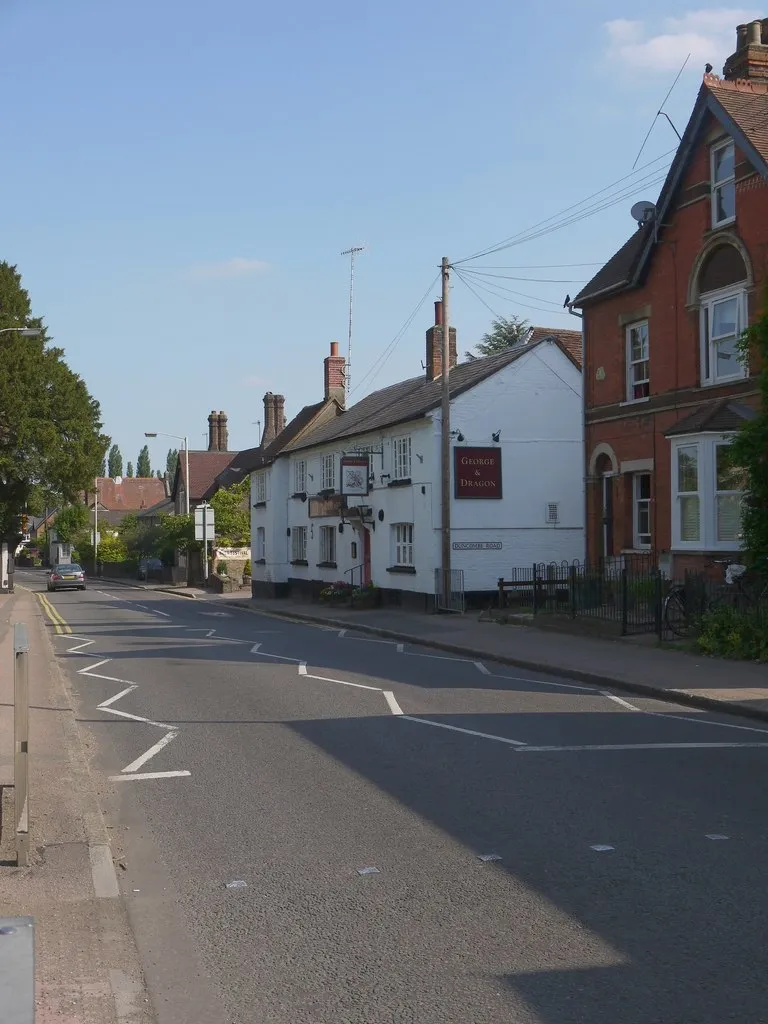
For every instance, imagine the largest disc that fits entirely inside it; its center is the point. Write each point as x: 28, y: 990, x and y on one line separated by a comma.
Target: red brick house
x: 665, y: 388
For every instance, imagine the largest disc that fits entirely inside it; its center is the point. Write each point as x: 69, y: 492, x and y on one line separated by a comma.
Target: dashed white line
x: 149, y: 754
x: 481, y: 668
x: 401, y: 648
x: 342, y: 633
x: 164, y: 614
x: 394, y: 707
x: 343, y: 682
x: 467, y: 732
x: 255, y: 648
x: 636, y: 746
x: 619, y: 700
x: 141, y: 776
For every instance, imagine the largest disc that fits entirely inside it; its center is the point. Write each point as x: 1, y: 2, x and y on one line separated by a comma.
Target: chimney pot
x: 755, y: 32
x: 334, y: 348
x: 334, y: 374
x: 435, y: 345
x: 273, y: 417
x: 750, y: 61
x: 438, y: 312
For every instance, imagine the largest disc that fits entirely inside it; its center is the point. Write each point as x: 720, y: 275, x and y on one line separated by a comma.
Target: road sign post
x: 205, y: 528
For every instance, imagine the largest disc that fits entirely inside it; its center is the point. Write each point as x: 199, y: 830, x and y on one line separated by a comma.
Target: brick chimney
x: 213, y: 431
x: 223, y: 432
x: 335, y: 374
x: 274, y: 417
x: 750, y: 61
x: 435, y: 345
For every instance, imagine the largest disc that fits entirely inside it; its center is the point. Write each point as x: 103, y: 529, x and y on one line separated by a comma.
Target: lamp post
x: 25, y: 332
x: 177, y: 437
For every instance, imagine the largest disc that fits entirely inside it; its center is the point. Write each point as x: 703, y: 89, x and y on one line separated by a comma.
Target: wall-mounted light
x: 496, y: 435
x: 288, y: 532
x: 341, y: 527
x: 381, y: 515
x: 458, y: 435
x: 419, y: 457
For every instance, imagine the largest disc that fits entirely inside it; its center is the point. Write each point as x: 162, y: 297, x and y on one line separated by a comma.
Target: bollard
x: 17, y: 970
x: 21, y: 741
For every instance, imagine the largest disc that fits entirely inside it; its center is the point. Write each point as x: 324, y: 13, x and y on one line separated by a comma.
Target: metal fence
x: 627, y: 593
x: 449, y: 590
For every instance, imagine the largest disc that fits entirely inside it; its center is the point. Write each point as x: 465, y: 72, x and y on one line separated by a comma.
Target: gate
x: 449, y: 590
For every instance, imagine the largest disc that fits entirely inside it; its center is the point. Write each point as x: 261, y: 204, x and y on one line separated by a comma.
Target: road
x: 631, y: 835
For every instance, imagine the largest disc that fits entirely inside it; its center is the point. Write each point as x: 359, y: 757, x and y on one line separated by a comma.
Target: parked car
x: 147, y: 565
x: 66, y: 577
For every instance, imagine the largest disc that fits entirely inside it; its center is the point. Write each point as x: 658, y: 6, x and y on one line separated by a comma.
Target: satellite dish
x: 643, y: 211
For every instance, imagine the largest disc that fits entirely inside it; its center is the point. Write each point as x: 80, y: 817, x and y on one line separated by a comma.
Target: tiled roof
x: 204, y: 467
x: 742, y: 108
x: 410, y: 399
x: 721, y: 417
x: 164, y: 507
x: 569, y: 340
x: 131, y: 493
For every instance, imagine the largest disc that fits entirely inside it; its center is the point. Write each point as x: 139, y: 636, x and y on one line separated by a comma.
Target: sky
x: 180, y: 179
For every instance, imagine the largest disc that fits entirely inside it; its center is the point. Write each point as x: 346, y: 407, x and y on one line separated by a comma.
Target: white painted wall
x: 535, y: 402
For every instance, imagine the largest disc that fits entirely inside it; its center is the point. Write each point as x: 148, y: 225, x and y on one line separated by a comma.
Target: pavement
x: 319, y: 824
x: 87, y: 968
x: 662, y: 672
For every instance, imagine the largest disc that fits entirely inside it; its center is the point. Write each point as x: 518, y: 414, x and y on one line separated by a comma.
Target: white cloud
x: 706, y: 35
x: 238, y: 266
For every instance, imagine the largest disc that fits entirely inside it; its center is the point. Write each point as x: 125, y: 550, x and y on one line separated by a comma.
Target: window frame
x: 637, y: 543
x: 706, y: 447
x: 402, y: 545
x: 402, y: 454
x: 300, y: 555
x: 300, y: 476
x: 260, y: 488
x: 724, y: 493
x: 327, y: 540
x: 630, y: 363
x: 328, y: 478
x: 708, y: 352
x: 261, y: 543
x: 716, y: 186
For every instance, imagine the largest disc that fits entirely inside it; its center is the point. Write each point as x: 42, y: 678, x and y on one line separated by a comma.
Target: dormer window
x: 723, y: 168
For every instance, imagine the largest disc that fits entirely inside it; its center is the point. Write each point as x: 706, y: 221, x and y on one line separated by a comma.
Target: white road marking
x: 704, y: 721
x: 394, y: 707
x: 488, y: 858
x: 342, y: 633
x: 97, y: 675
x: 217, y: 615
x: 715, y: 835
x: 546, y: 682
x: 401, y: 648
x: 602, y: 848
x: 149, y: 754
x: 467, y: 732
x: 141, y: 776
x: 96, y: 664
x: 638, y: 746
x: 344, y: 682
x: 118, y: 696
x: 619, y: 700
x: 103, y: 872
x: 255, y: 648
x: 438, y: 657
x: 141, y: 607
x: 137, y: 718
x: 368, y: 871
x: 481, y: 668
x: 210, y: 632
x: 279, y: 657
x: 302, y: 668
x: 164, y: 614
x: 229, y: 639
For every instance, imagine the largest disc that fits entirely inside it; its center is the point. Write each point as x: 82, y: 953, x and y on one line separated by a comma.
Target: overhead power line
x: 497, y: 289
x: 471, y: 284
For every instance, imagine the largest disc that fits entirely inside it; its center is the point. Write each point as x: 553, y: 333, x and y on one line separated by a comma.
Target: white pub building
x: 354, y: 495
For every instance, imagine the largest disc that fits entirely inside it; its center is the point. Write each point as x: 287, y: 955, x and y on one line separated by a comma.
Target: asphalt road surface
x: 358, y: 787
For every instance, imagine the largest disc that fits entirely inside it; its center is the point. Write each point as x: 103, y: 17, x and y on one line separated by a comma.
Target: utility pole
x: 96, y: 529
x: 351, y: 253
x: 445, y: 436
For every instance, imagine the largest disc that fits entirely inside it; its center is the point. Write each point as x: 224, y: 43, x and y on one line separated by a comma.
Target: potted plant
x: 337, y: 593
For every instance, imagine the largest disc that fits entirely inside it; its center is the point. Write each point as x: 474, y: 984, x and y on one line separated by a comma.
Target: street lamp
x: 25, y: 332
x: 177, y: 437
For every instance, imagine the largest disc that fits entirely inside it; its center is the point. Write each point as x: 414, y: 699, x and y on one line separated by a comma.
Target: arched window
x: 721, y: 285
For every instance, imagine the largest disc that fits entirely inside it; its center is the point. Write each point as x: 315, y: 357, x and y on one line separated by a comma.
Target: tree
x: 143, y: 465
x: 170, y: 461
x: 51, y: 442
x: 129, y: 469
x: 504, y: 333
x: 748, y: 452
x: 115, y: 464
x: 159, y: 474
x: 71, y: 521
x: 233, y: 521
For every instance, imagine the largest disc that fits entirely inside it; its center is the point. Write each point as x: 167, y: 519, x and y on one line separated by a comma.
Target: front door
x: 366, y: 557
x: 607, y: 515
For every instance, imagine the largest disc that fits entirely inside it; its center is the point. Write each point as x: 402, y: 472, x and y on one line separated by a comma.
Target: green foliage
x: 504, y: 333
x: 222, y: 569
x: 749, y: 449
x: 159, y: 474
x: 129, y: 469
x: 71, y: 521
x: 112, y: 549
x: 233, y: 520
x: 170, y: 461
x: 115, y: 462
x: 176, y: 532
x: 50, y: 426
x: 143, y: 465
x: 727, y: 632
x: 247, y: 567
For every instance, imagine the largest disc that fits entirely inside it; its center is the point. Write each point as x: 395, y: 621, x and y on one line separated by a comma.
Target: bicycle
x: 682, y: 611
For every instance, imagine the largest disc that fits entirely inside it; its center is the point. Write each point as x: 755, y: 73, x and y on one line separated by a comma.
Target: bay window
x: 707, y: 492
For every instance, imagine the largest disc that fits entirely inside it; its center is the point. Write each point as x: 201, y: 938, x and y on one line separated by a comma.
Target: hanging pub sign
x: 354, y: 475
x: 477, y: 472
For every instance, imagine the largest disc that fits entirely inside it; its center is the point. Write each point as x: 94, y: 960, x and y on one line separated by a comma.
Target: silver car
x: 66, y: 577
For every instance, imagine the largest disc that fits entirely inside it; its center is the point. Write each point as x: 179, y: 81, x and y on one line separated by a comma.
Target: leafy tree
x: 177, y: 533
x: 233, y: 520
x: 71, y: 521
x: 143, y: 465
x: 139, y: 537
x: 159, y: 474
x: 112, y: 549
x: 115, y: 464
x: 749, y: 449
x: 50, y: 427
x: 504, y: 333
x: 170, y: 461
x: 129, y: 470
